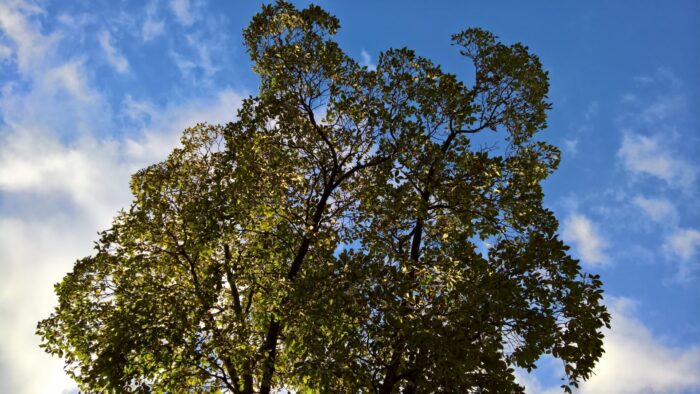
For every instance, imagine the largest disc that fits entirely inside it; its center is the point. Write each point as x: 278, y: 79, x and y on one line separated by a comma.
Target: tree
x: 353, y: 230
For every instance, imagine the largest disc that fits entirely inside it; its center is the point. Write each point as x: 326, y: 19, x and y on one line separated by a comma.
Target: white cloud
x: 684, y: 243
x: 635, y: 361
x: 53, y: 185
x: 38, y: 165
x: 367, y: 60
x: 584, y: 234
x: 642, y: 154
x: 657, y: 209
x: 183, y: 11
x: 114, y: 57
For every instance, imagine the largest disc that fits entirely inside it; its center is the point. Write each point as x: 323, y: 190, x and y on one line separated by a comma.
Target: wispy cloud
x: 113, y: 56
x: 198, y: 67
x: 662, y: 108
x: 571, y: 146
x: 591, y: 111
x: 571, y: 143
x: 584, y: 234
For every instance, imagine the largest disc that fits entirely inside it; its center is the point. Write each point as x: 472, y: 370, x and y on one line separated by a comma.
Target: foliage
x: 354, y: 230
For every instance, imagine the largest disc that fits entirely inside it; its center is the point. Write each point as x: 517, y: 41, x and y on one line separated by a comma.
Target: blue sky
x: 91, y: 91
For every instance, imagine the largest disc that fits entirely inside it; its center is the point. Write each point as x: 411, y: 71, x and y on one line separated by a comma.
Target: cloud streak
x: 113, y: 56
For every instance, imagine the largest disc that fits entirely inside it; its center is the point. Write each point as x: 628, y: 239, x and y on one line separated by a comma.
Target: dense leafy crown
x: 353, y: 230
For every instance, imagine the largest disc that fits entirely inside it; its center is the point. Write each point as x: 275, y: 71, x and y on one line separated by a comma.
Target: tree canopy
x: 354, y: 230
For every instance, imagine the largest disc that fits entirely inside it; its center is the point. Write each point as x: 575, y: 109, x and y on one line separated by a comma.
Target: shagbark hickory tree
x: 354, y: 230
